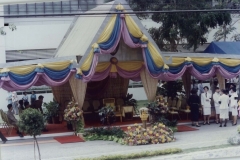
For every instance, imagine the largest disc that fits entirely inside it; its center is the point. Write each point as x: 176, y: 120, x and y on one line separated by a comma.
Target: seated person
x: 12, y: 120
x: 38, y: 104
x: 27, y: 105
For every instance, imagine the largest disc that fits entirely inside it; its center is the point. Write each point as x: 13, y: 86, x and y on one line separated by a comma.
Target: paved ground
x: 210, y: 135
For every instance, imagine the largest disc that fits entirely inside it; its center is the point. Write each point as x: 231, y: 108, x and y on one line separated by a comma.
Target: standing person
x: 223, y: 109
x: 9, y: 98
x: 38, y: 104
x: 20, y: 106
x: 234, y: 105
x: 194, y: 85
x: 25, y: 97
x: 194, y: 103
x: 15, y: 102
x: 33, y: 97
x: 206, y: 104
x: 200, y: 87
x: 216, y: 96
x: 231, y: 86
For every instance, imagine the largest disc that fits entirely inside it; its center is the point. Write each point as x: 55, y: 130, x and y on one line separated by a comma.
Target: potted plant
x: 52, y: 112
x: 107, y: 115
x: 32, y: 123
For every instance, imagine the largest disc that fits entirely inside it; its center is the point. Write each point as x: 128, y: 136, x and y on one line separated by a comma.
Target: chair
x: 184, y: 108
x: 9, y: 127
x: 174, y: 104
x: 169, y: 102
x: 111, y: 102
x: 96, y: 105
x: 85, y: 107
x: 174, y: 109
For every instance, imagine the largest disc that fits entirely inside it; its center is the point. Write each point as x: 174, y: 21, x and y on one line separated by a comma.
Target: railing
x: 71, y: 6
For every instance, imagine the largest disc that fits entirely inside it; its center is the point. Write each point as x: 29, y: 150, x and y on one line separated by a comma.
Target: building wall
x: 3, y: 93
x: 36, y: 33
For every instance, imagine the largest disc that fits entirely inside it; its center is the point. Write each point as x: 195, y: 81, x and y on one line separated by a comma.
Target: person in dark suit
x: 3, y: 138
x: 194, y: 103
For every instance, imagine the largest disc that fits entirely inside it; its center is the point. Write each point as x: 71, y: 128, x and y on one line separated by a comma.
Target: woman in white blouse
x: 234, y: 105
x: 206, y: 105
x: 223, y: 108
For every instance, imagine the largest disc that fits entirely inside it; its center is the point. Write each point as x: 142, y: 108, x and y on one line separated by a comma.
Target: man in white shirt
x: 216, y: 96
x: 206, y: 105
x: 230, y: 94
x: 15, y: 102
x: 223, y: 108
x: 233, y: 105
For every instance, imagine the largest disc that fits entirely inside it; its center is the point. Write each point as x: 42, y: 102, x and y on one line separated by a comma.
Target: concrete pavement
x: 209, y: 135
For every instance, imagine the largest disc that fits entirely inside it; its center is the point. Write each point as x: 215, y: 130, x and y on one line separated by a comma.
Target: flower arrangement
x: 72, y: 112
x: 137, y: 135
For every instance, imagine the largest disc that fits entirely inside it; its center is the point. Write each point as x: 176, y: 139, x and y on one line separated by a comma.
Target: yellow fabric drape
x: 102, y: 66
x: 88, y: 61
x: 186, y: 78
x: 22, y: 70
x: 130, y: 66
x: 62, y: 94
x: 230, y: 62
x: 221, y: 80
x: 149, y: 84
x: 113, y: 68
x: 57, y: 65
x: 157, y: 58
x: 107, y: 30
x: 79, y: 90
x: 133, y: 27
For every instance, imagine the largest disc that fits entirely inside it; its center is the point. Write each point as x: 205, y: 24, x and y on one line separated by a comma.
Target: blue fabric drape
x: 22, y: 79
x: 203, y: 69
x: 56, y: 75
x: 150, y: 63
x: 114, y: 36
x: 234, y: 69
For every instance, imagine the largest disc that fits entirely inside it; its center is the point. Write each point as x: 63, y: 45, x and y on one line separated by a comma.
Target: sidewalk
x: 209, y: 135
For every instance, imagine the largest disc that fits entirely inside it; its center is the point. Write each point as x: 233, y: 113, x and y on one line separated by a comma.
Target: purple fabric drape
x: 129, y: 74
x: 40, y: 79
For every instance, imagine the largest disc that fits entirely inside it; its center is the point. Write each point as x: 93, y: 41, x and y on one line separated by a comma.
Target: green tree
x: 32, y: 123
x: 188, y: 28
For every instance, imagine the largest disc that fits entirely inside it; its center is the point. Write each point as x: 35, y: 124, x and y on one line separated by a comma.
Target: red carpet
x: 52, y: 128
x: 69, y: 139
x: 183, y: 128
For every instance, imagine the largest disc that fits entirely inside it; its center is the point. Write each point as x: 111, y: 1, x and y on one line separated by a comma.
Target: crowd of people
x: 225, y: 102
x: 16, y: 106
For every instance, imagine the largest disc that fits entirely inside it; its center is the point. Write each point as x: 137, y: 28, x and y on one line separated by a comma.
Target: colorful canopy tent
x: 223, y: 48
x: 110, y: 46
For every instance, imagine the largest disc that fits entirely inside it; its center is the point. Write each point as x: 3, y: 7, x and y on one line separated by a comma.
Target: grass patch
x: 136, y: 155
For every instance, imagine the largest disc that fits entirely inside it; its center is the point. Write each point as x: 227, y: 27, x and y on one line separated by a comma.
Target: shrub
x: 105, y: 133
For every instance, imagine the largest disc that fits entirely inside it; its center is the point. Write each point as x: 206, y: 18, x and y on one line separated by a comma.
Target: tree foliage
x: 31, y: 122
x: 188, y: 28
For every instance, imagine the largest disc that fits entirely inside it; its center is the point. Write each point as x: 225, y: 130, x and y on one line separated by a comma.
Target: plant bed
x: 138, y: 155
x: 105, y: 133
x: 156, y: 134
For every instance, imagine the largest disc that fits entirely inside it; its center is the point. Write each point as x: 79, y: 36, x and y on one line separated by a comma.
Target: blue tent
x: 223, y: 48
